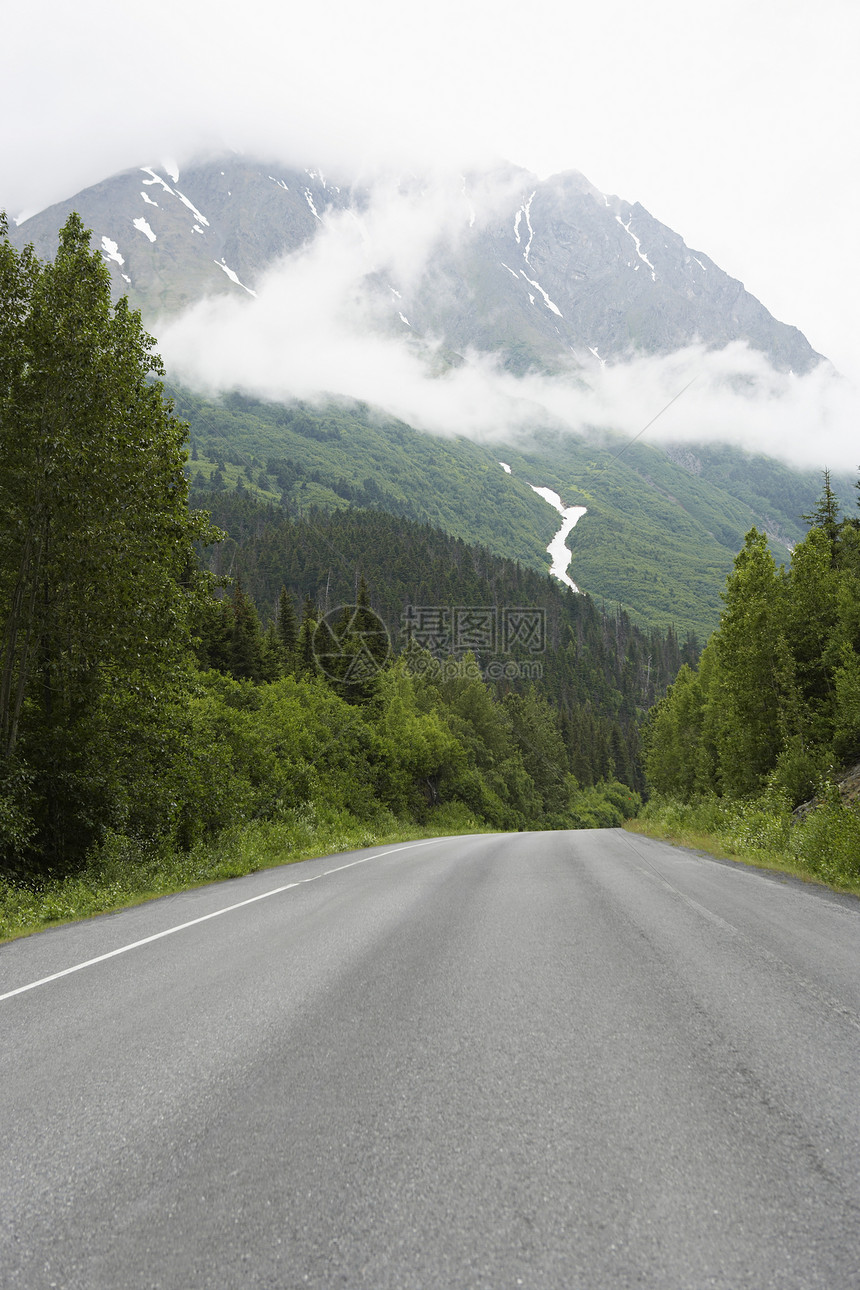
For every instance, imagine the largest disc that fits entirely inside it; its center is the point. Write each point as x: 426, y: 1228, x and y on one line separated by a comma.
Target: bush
x: 825, y: 843
x: 827, y: 840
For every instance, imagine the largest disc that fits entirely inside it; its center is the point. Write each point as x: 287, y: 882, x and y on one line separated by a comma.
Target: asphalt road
x: 545, y: 1060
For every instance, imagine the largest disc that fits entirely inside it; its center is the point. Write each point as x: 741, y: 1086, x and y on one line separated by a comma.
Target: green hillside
x: 659, y: 537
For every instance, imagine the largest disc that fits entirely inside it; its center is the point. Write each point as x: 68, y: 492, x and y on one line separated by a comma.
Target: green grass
x: 124, y: 872
x: 824, y: 848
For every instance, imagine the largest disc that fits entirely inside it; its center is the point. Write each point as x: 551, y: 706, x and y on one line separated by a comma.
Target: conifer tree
x: 286, y: 622
x: 246, y: 653
x: 96, y: 541
x: 307, y: 661
x: 825, y: 516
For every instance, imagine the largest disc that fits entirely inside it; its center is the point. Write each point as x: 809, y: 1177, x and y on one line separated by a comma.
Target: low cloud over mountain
x: 487, y: 305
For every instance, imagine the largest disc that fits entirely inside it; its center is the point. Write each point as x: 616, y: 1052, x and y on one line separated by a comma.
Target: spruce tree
x: 286, y: 622
x: 825, y: 516
x: 305, y: 652
x: 246, y: 654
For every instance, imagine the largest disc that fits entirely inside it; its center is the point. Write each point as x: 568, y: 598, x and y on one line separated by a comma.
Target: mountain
x: 551, y: 274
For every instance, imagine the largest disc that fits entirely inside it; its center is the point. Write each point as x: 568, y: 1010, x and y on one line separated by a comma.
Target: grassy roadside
x: 723, y: 847
x: 123, y: 872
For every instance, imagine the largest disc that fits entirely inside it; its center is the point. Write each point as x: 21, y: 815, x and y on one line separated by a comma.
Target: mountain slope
x: 659, y: 536
x: 551, y: 273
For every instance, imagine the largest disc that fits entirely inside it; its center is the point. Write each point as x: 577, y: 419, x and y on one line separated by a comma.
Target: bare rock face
x: 552, y: 274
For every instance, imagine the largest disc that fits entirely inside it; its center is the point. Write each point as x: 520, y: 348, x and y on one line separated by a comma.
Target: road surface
x: 559, y: 1060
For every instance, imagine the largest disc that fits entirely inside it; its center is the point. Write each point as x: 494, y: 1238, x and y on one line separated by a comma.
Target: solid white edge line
x: 180, y: 927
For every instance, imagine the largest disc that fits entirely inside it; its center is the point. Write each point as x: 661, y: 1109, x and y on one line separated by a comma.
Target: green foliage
x: 97, y: 574
x: 598, y: 671
x: 122, y: 871
x: 604, y: 806
x: 824, y: 843
x: 753, y: 689
x: 828, y: 840
x: 776, y: 696
x: 774, y: 705
x: 673, y: 737
x: 143, y: 719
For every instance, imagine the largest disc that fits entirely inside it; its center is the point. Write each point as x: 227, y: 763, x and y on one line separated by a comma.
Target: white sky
x: 736, y: 124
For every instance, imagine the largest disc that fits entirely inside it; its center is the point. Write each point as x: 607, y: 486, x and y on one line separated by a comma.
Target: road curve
x: 557, y: 1060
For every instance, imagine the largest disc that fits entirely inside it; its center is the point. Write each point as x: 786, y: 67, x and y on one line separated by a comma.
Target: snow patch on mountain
x: 549, y: 304
x: 202, y: 218
x: 143, y: 227
x: 639, y: 251
x: 233, y: 276
x: 524, y: 213
x: 149, y: 201
x: 505, y: 467
x: 110, y: 251
x: 156, y: 179
x: 527, y: 213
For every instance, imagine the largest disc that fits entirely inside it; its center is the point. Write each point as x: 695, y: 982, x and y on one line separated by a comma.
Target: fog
x: 325, y: 323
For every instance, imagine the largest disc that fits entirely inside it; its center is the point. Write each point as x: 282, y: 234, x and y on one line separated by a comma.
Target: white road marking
x: 180, y: 927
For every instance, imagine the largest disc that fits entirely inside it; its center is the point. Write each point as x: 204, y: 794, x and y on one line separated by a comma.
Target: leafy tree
x: 755, y: 690
x: 97, y: 573
x: 673, y: 738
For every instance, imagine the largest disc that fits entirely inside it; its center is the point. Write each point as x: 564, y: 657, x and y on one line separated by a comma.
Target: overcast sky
x: 734, y: 123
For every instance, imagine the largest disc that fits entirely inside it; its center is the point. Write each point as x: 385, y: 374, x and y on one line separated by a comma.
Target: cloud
x: 328, y: 322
